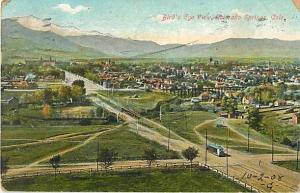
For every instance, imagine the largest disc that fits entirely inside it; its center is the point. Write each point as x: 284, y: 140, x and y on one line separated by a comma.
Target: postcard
x: 150, y: 96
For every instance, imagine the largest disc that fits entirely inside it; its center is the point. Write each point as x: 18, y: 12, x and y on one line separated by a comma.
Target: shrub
x: 84, y: 122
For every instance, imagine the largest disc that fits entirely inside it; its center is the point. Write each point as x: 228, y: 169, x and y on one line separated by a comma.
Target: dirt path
x: 257, y: 142
x: 243, y: 166
x: 61, y: 137
x: 244, y: 163
x: 62, y: 152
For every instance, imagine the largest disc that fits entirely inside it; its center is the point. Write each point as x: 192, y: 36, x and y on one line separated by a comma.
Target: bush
x: 16, y: 122
x: 286, y: 141
x: 111, y: 119
x: 85, y: 122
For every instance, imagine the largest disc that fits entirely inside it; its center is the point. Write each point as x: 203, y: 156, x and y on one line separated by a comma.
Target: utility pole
x: 137, y: 125
x: 206, y: 147
x: 98, y: 155
x: 160, y: 114
x: 227, y: 153
x: 248, y: 140
x: 185, y: 120
x: 161, y: 120
x: 169, y: 139
x: 298, y: 146
x: 272, y: 145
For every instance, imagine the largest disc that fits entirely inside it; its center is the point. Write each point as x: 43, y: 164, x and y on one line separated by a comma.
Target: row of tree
x: 108, y: 155
x: 62, y: 94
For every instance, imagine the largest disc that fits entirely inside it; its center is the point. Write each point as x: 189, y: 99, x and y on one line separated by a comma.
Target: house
x: 279, y: 103
x: 296, y: 118
x: 247, y: 100
x: 30, y: 77
x: 204, y: 96
x: 223, y: 114
x: 42, y: 61
x: 8, y: 104
x: 23, y: 85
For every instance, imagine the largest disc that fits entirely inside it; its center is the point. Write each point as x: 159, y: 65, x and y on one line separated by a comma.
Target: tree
x: 48, y: 96
x: 91, y: 76
x: 107, y: 156
x: 77, y: 93
x: 78, y: 83
x: 46, y: 111
x: 280, y: 90
x: 4, y: 166
x: 190, y: 154
x: 99, y: 111
x: 150, y: 156
x: 54, y: 161
x: 254, y: 118
x: 229, y: 104
x: 64, y: 93
x: 287, y: 141
x: 37, y: 97
x: 111, y: 118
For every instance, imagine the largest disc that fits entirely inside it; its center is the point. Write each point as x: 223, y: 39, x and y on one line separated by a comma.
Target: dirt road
x: 264, y: 176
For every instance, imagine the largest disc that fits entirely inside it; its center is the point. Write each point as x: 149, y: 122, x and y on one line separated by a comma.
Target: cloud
x: 239, y: 12
x: 68, y: 9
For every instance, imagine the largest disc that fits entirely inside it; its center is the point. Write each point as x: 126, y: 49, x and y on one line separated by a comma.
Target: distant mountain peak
x: 38, y: 24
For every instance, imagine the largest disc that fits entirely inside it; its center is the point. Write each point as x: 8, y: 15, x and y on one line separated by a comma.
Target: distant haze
x: 32, y: 37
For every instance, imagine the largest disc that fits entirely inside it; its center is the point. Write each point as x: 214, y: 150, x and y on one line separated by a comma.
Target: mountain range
x: 32, y: 37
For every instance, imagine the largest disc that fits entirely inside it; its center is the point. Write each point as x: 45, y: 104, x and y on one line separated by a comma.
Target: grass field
x: 291, y: 165
x: 43, y: 132
x: 18, y: 94
x: 158, y: 128
x: 28, y: 154
x: 241, y: 126
x: 236, y: 140
x: 271, y: 120
x: 129, y: 181
x: 183, y: 123
x: 129, y: 146
x: 138, y: 100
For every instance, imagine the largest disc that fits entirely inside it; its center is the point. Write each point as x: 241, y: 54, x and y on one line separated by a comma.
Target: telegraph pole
x: 160, y: 114
x: 98, y: 156
x: 137, y: 125
x: 227, y: 153
x: 206, y: 147
x: 185, y: 120
x: 272, y: 145
x: 169, y: 139
x: 248, y: 140
x: 298, y: 146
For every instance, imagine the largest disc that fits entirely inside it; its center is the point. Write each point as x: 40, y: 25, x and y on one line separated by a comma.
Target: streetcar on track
x: 216, y: 149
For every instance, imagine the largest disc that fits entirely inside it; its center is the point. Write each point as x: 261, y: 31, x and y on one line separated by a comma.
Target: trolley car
x: 216, y: 149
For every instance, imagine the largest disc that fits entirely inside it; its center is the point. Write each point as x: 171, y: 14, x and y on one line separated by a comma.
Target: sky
x: 169, y: 21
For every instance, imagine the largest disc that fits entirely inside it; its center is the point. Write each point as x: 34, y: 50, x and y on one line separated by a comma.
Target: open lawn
x: 17, y: 94
x: 236, y: 140
x: 48, y: 84
x: 59, y: 138
x: 291, y: 165
x: 138, y: 100
x: 241, y: 126
x: 28, y: 154
x: 183, y: 123
x: 129, y: 146
x: 179, y: 180
x: 282, y: 129
x: 157, y: 127
x: 58, y: 112
x: 43, y: 132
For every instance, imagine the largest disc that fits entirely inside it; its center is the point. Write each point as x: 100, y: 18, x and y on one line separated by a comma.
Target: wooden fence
x: 114, y: 170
